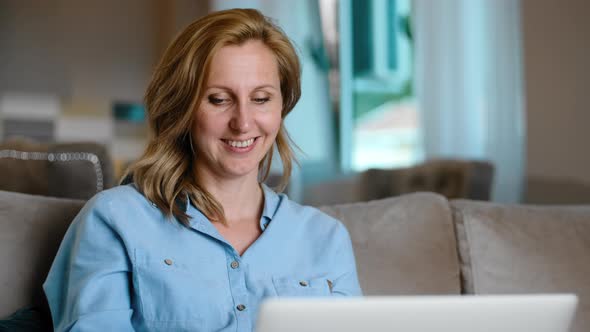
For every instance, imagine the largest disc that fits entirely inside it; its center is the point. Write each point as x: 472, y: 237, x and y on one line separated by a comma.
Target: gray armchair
x: 451, y: 178
x: 470, y: 179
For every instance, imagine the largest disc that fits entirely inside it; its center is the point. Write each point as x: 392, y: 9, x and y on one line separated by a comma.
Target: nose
x: 241, y: 118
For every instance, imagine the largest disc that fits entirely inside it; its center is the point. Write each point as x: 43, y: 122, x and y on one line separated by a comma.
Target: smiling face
x: 239, y: 116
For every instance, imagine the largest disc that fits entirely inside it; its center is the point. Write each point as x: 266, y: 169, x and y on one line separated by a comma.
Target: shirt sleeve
x: 88, y: 285
x: 346, y: 283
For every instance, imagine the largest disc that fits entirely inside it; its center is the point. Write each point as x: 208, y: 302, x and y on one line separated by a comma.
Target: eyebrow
x: 223, y: 87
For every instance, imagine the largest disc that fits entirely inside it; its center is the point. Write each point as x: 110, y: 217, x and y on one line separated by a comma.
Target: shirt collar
x: 271, y: 202
x: 271, y: 205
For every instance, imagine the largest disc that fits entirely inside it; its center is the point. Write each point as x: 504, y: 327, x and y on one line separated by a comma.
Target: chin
x: 235, y: 171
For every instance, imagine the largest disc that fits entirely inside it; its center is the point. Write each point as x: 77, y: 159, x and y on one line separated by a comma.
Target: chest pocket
x: 292, y: 287
x: 176, y: 293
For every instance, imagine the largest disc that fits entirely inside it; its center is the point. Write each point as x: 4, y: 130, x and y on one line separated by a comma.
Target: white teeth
x: 241, y: 144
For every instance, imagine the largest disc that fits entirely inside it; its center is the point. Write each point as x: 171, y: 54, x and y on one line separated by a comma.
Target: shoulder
x: 108, y: 205
x: 119, y: 196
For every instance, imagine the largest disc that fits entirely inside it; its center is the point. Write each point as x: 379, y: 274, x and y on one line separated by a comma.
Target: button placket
x: 237, y: 282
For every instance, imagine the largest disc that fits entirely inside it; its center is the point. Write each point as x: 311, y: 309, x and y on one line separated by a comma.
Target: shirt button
x: 303, y: 283
x: 241, y: 307
x: 168, y: 261
x: 234, y: 264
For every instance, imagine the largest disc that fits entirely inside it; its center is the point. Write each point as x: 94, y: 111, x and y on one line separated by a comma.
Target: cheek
x: 273, y: 118
x: 272, y: 124
x: 206, y: 126
x: 205, y: 131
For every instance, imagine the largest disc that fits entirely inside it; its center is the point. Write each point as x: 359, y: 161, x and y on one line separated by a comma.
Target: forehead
x: 249, y: 64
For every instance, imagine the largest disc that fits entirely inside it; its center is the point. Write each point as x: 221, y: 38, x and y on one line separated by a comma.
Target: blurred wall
x: 557, y: 76
x: 30, y: 56
x: 175, y: 15
x: 86, y: 52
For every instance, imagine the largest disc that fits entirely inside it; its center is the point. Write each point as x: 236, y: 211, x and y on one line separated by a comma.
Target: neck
x: 241, y: 198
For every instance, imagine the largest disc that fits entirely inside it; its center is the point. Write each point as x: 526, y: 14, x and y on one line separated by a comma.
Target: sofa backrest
x: 31, y: 229
x: 403, y: 245
x: 508, y: 249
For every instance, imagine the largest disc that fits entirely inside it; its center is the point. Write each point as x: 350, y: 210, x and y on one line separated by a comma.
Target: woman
x: 195, y: 242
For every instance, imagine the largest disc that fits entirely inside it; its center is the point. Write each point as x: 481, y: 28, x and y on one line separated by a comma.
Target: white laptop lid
x: 468, y: 313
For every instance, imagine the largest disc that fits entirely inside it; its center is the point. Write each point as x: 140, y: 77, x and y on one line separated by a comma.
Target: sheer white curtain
x: 470, y: 87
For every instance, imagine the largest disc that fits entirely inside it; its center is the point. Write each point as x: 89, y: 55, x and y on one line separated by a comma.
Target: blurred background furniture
x: 69, y: 170
x: 471, y: 179
x: 556, y: 190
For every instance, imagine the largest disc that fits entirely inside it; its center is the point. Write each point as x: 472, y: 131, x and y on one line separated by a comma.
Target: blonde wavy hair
x: 164, y: 172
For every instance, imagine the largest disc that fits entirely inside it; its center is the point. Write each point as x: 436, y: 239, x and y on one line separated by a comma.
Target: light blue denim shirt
x: 124, y: 266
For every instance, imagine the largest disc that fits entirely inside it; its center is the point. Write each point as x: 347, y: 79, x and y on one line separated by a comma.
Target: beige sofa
x: 412, y: 244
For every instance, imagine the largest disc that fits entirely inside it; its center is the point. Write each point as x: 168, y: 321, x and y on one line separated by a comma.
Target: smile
x: 240, y: 144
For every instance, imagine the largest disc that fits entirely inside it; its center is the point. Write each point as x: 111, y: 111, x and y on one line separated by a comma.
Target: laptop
x: 467, y: 313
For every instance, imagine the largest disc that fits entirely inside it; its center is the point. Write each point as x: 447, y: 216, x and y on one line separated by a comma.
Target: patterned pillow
x: 76, y: 170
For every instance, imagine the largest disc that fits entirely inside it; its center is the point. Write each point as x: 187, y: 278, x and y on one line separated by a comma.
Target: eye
x: 218, y: 100
x: 261, y: 100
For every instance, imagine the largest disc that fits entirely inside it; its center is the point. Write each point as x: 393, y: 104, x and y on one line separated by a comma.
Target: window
x: 379, y: 125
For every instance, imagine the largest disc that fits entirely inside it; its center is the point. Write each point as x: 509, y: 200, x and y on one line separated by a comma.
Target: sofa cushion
x: 403, y: 245
x: 31, y: 229
x: 526, y: 249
